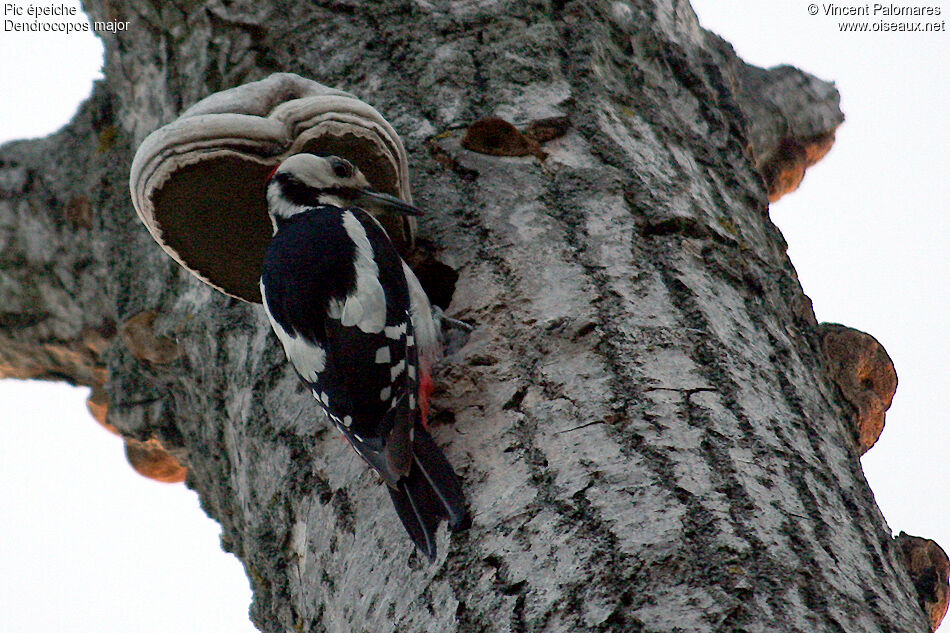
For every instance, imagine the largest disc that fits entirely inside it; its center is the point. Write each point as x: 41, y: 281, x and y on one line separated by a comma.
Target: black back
x: 308, y: 263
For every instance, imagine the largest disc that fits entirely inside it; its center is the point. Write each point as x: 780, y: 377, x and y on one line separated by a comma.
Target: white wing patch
x: 365, y: 308
x: 395, y: 332
x: 397, y: 369
x: 308, y: 359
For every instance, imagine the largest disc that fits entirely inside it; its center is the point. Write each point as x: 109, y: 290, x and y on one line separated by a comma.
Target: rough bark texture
x: 646, y: 435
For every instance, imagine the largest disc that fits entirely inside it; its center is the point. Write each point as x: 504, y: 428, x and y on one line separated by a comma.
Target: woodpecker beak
x: 385, y: 201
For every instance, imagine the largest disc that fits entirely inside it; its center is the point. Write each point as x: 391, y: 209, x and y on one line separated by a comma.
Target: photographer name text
x: 875, y: 10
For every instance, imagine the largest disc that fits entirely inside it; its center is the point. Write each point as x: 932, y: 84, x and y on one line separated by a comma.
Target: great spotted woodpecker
x: 358, y: 328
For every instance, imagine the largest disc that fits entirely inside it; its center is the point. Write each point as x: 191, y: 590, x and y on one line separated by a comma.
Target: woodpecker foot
x: 456, y: 324
x: 454, y: 332
x: 447, y: 322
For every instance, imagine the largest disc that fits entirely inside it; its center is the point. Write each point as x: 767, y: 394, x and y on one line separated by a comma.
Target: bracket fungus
x: 138, y: 334
x: 198, y: 183
x: 497, y: 137
x: 151, y: 459
x: 929, y: 569
x: 859, y: 365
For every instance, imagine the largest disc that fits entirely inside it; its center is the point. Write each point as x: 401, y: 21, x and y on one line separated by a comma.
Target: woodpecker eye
x: 342, y: 169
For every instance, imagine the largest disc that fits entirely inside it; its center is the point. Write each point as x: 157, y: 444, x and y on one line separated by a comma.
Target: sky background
x: 867, y: 232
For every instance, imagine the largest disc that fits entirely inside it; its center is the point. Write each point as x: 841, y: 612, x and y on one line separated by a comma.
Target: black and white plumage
x: 358, y: 328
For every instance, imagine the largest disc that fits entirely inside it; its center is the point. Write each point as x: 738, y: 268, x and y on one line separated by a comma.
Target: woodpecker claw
x: 446, y: 321
x: 457, y: 324
x: 454, y: 332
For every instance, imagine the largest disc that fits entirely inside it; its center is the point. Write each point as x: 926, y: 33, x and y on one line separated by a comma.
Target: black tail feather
x: 430, y: 493
x: 441, y: 478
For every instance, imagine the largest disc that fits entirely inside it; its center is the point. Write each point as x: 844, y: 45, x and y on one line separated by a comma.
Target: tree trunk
x: 646, y: 434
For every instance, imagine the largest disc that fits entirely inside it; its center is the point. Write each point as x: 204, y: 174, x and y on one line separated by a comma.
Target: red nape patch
x: 426, y: 387
x: 271, y: 174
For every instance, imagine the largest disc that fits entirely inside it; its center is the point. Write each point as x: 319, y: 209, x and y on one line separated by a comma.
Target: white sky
x: 87, y: 545
x: 868, y: 234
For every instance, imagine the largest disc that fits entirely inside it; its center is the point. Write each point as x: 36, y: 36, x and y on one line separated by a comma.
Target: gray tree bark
x: 641, y: 417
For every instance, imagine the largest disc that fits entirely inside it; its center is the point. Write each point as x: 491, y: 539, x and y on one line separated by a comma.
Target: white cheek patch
x: 279, y: 207
x: 365, y: 308
x: 308, y: 359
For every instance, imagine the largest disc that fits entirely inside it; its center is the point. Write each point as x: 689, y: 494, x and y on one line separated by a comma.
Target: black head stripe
x: 346, y: 193
x: 294, y: 190
x: 299, y: 193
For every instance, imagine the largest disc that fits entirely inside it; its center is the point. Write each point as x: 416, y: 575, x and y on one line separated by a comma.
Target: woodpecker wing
x: 351, y: 340
x: 337, y: 296
x: 371, y: 388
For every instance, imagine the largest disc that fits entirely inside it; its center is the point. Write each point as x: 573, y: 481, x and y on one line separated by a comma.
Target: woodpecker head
x: 306, y: 180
